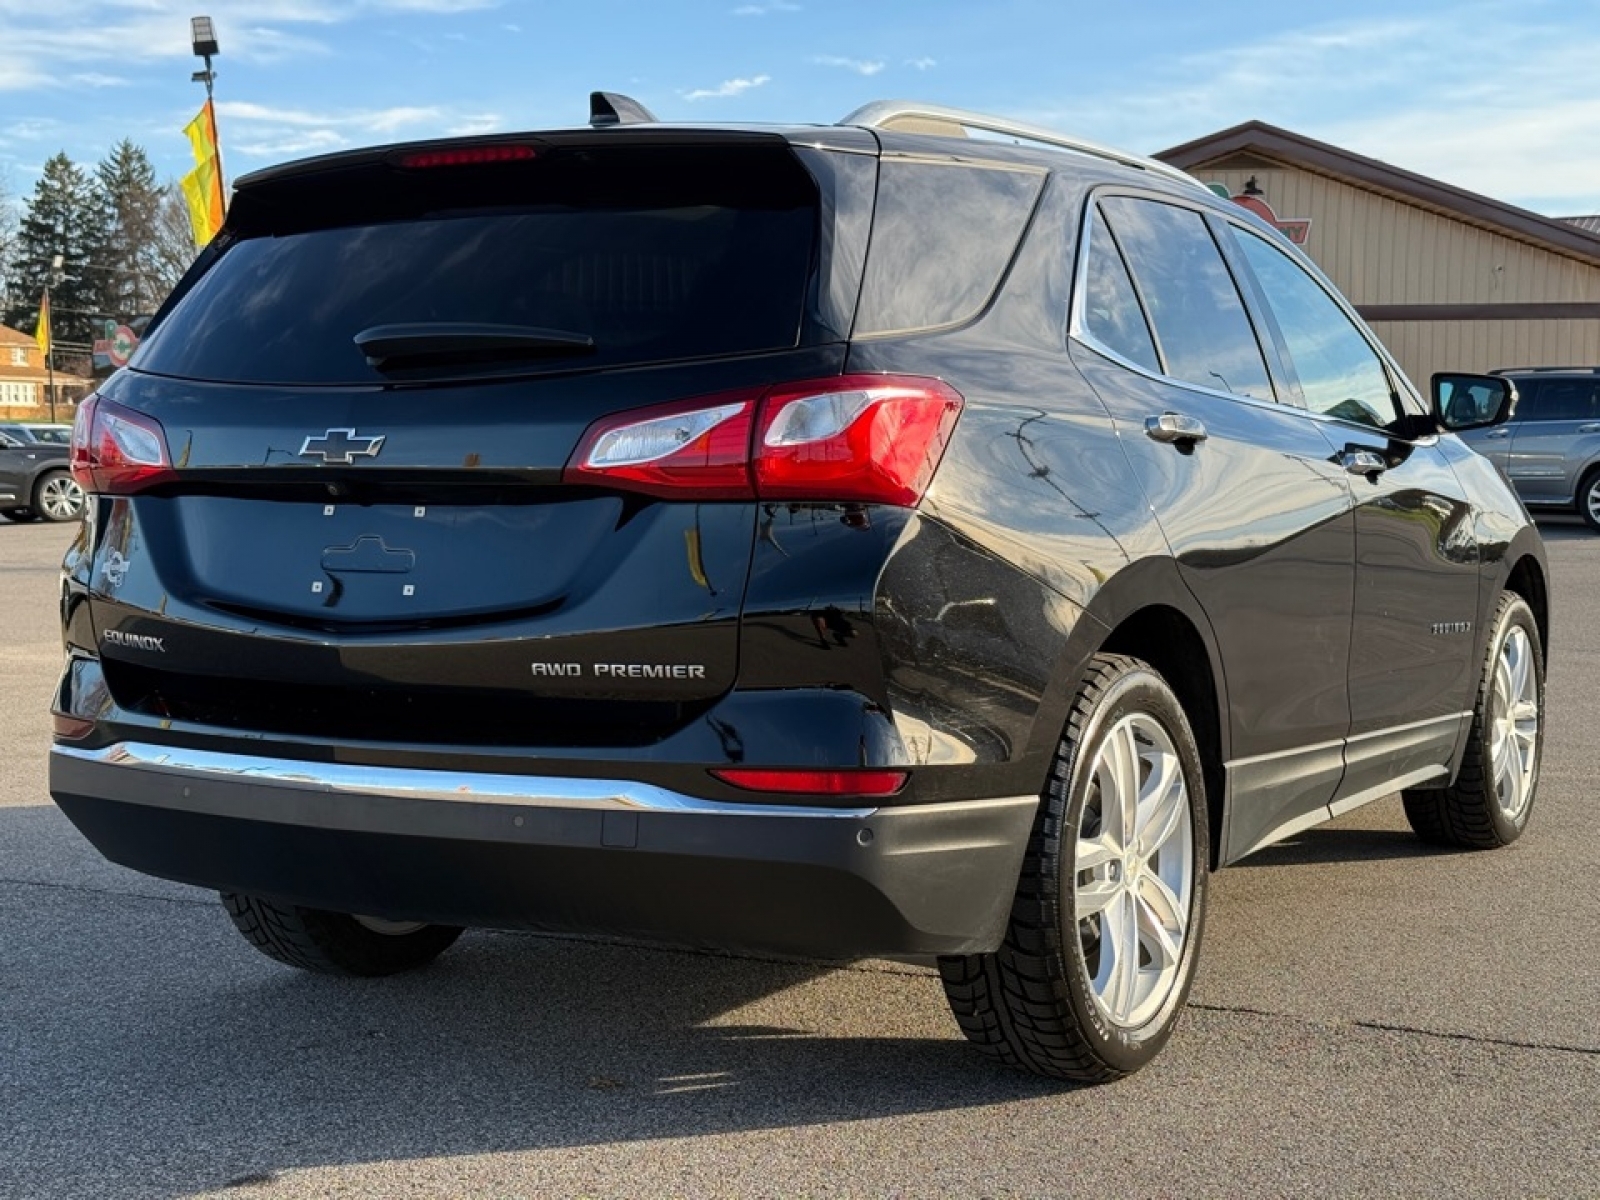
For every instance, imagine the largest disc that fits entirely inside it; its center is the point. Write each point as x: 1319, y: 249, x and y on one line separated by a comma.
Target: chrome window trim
x: 409, y: 783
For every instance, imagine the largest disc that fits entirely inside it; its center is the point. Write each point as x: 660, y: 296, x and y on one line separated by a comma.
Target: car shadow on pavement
x: 218, y: 1068
x: 1326, y: 844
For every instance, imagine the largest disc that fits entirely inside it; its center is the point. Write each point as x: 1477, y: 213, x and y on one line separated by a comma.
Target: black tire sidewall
x: 1590, y: 480
x: 1141, y: 690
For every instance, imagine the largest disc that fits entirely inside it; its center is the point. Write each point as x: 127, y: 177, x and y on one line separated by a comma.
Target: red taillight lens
x: 815, y: 783
x: 867, y: 438
x: 863, y: 437
x: 700, y: 449
x: 117, y: 451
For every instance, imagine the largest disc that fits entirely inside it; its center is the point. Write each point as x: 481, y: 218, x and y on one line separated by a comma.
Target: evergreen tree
x: 127, y: 268
x: 63, y: 217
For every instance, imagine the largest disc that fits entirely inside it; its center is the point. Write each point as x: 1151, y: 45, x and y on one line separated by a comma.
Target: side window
x: 1564, y: 400
x: 1340, y: 374
x: 1111, y: 312
x: 1199, y: 319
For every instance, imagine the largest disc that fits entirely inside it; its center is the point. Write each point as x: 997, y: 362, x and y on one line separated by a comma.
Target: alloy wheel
x: 1514, y: 733
x: 1134, y: 882
x: 61, y: 498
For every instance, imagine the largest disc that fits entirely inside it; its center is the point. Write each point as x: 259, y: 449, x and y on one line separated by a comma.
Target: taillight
x: 117, y: 451
x: 866, y: 438
x: 699, y: 449
x: 814, y: 783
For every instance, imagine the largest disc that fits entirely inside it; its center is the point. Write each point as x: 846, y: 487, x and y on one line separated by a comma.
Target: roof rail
x: 1588, y: 370
x: 926, y: 118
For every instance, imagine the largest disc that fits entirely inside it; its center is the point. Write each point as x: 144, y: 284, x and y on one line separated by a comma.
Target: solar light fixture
x: 204, y: 36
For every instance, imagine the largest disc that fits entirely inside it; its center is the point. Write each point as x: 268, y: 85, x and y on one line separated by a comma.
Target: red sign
x: 1293, y: 228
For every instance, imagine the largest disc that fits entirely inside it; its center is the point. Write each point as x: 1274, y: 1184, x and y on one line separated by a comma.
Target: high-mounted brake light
x: 117, y: 451
x: 814, y: 783
x: 468, y: 156
x: 866, y: 438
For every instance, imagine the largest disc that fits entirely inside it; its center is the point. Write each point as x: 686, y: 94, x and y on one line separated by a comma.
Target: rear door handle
x: 1363, y: 462
x: 1590, y: 428
x: 1175, y: 429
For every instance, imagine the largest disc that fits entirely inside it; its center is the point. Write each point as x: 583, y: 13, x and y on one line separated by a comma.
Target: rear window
x: 656, y: 253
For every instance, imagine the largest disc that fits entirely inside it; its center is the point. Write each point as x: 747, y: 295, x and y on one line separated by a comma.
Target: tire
x: 19, y: 515
x: 1489, y: 803
x: 57, y: 497
x: 1589, y: 499
x: 335, y: 943
x: 1051, y: 1000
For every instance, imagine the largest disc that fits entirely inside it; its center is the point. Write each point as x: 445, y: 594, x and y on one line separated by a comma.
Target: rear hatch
x: 365, y: 524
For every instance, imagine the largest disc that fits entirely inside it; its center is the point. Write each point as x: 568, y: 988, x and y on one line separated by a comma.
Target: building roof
x: 1257, y: 139
x: 14, y: 337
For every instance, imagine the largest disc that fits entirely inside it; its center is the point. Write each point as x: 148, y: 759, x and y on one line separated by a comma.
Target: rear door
x: 1255, y: 514
x: 367, y: 532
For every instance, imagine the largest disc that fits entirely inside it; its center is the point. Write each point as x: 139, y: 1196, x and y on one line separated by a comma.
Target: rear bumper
x: 556, y: 853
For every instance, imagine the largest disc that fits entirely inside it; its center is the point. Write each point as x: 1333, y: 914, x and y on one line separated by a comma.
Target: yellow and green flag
x: 42, y: 333
x: 202, y: 187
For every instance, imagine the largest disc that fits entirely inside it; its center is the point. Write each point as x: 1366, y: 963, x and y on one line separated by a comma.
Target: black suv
x: 841, y: 541
x: 1550, y: 448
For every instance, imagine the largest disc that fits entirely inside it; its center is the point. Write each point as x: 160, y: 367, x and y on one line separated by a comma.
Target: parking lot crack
x: 80, y: 889
x: 1387, y: 1027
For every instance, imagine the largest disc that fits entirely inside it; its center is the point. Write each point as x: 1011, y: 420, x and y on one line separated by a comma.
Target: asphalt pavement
x: 1371, y: 1018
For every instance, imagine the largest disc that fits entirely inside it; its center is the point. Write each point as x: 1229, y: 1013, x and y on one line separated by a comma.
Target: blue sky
x: 1496, y: 97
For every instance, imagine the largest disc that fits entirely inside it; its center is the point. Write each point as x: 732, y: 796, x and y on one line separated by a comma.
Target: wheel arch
x: 1528, y: 581
x: 1148, y: 613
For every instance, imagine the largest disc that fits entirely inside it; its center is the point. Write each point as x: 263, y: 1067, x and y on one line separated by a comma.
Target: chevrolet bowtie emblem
x: 341, y: 446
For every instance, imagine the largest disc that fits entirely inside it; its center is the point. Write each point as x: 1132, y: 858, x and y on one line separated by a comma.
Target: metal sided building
x: 1450, y: 280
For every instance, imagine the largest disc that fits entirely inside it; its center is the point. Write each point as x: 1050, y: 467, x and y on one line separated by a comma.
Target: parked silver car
x: 1550, y: 448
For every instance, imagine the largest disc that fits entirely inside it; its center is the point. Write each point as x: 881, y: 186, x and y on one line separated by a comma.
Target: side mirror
x: 1472, y: 401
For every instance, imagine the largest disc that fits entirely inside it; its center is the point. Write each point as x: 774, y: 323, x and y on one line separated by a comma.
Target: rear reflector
x: 71, y: 729
x: 117, y: 451
x: 815, y: 783
x: 468, y: 156
x: 867, y: 438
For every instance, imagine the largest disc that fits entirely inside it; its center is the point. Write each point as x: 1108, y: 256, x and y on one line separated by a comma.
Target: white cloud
x: 310, y: 141
x: 96, y: 80
x: 922, y: 64
x: 861, y: 66
x: 728, y: 87
x: 477, y: 123
x: 264, y: 131
x: 763, y: 9
x: 1518, y: 132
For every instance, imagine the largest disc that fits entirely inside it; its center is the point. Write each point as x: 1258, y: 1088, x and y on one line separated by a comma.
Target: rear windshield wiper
x: 461, y: 342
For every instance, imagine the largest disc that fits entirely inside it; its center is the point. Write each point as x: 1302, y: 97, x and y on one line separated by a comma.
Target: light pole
x: 203, y: 37
x: 56, y: 263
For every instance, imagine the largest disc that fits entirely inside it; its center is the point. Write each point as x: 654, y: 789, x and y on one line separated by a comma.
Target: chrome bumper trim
x: 344, y: 779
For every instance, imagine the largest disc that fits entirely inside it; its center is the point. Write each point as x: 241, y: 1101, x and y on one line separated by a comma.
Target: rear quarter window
x: 942, y: 237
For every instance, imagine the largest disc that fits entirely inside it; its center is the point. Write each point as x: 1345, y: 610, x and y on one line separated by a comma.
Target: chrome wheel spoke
x: 1163, y: 804
x: 1161, y: 940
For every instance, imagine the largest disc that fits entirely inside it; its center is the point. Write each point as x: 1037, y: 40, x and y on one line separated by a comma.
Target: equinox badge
x: 341, y: 446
